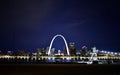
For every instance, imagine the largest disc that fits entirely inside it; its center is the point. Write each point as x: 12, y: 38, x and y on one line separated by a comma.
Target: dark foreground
x: 59, y: 69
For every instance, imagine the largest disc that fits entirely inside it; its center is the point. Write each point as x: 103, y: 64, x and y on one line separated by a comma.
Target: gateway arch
x: 66, y: 45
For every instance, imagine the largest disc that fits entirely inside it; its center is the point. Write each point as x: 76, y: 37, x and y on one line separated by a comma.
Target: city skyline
x: 29, y: 25
x: 63, y: 37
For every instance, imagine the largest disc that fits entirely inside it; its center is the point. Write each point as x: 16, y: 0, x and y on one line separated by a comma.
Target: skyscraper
x: 52, y: 51
x: 84, y: 51
x: 72, y: 49
x: 65, y: 51
x: 37, y: 52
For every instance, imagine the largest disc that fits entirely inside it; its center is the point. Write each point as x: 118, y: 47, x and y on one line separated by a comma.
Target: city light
x: 69, y: 55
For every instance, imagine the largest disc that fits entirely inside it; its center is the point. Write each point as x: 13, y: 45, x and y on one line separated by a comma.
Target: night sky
x: 30, y: 24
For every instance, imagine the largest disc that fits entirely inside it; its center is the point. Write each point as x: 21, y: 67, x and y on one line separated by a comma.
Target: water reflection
x: 54, y: 60
x: 57, y: 60
x: 50, y: 60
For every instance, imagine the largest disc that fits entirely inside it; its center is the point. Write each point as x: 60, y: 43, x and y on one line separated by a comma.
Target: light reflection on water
x: 58, y: 60
x: 54, y: 60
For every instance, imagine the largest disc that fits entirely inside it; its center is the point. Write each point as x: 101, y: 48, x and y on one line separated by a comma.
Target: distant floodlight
x: 108, y: 52
x: 105, y: 51
x: 111, y: 52
x: 115, y: 53
x: 102, y: 51
x: 119, y: 54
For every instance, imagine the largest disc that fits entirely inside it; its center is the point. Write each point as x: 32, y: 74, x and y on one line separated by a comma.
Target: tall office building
x: 46, y: 51
x: 72, y: 49
x: 84, y: 51
x: 21, y: 53
x: 43, y: 52
x: 53, y: 51
x: 38, y: 52
x: 65, y: 51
